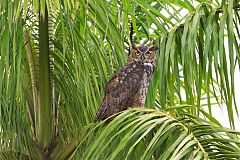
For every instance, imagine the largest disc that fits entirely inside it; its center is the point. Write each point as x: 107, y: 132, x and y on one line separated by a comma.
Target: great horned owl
x: 128, y: 87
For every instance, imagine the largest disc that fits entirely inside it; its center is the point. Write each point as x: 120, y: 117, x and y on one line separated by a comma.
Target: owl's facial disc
x: 143, y: 54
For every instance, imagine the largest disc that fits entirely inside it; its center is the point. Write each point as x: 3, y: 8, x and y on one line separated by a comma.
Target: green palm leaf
x: 151, y: 134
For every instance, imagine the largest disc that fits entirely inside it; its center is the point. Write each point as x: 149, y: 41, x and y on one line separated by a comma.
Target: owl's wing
x: 120, y: 90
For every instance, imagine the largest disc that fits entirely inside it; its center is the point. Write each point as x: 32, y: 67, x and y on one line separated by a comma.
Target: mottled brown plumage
x: 128, y: 87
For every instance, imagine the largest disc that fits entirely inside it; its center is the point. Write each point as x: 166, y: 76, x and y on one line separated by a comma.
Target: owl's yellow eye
x: 137, y: 53
x: 148, y: 53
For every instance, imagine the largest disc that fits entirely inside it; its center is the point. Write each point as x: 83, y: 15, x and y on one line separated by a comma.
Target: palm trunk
x: 45, y: 130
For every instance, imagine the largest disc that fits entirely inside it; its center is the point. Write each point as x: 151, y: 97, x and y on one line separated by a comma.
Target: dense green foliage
x: 56, y: 57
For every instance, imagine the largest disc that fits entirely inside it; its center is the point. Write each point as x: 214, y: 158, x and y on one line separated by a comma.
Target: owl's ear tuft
x: 153, y: 48
x: 134, y: 46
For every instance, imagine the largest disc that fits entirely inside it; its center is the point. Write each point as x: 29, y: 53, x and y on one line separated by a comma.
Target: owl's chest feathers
x: 128, y: 88
x: 140, y: 97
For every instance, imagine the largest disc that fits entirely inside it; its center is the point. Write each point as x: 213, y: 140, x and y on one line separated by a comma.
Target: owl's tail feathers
x: 104, y: 112
x: 99, y: 118
x: 101, y: 114
x: 96, y: 118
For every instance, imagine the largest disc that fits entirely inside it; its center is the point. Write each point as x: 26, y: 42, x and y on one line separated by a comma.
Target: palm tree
x: 56, y: 57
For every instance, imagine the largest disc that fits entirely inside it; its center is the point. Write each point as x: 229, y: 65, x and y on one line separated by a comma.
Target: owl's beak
x: 142, y: 57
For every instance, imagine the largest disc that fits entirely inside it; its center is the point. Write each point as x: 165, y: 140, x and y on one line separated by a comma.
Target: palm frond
x: 151, y: 134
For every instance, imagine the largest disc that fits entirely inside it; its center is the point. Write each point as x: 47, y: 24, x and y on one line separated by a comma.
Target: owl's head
x: 143, y: 54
